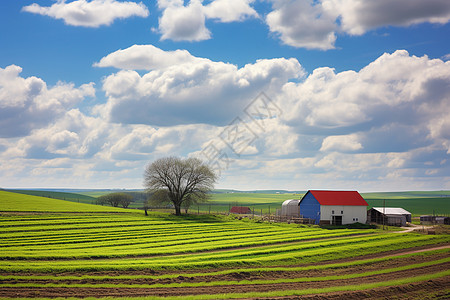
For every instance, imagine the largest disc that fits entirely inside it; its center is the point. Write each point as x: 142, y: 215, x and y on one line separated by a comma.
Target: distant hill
x: 28, y: 203
x: 58, y: 195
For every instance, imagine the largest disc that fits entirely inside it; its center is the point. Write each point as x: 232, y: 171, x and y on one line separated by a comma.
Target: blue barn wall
x: 310, y: 207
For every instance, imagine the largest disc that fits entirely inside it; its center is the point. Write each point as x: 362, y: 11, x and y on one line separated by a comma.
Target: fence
x: 262, y: 211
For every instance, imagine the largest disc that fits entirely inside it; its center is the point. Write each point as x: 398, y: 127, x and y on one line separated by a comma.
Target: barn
x: 392, y: 216
x: 334, y: 207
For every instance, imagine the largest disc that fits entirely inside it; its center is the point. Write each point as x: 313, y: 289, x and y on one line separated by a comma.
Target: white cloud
x: 314, y: 24
x: 394, y: 89
x: 198, y: 92
x: 27, y: 103
x: 341, y: 143
x: 93, y: 13
x: 181, y: 23
x: 146, y: 57
x: 230, y: 10
x: 302, y: 23
x: 187, y: 23
x: 358, y: 17
x: 388, y: 119
x: 383, y: 127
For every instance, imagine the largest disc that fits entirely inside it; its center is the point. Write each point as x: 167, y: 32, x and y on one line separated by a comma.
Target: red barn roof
x: 339, y: 198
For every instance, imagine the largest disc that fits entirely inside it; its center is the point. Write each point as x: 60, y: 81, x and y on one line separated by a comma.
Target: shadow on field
x: 192, y: 218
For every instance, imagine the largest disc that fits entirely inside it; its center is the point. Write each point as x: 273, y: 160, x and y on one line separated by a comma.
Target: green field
x: 74, y: 197
x: 53, y: 248
x: 27, y: 203
x: 265, y: 202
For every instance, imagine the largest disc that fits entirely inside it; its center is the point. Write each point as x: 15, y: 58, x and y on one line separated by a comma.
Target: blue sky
x: 326, y: 94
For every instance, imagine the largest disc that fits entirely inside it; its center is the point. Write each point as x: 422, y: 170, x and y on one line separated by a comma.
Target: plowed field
x: 99, y: 254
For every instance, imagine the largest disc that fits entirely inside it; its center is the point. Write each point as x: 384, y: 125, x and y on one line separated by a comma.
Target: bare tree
x: 182, y: 180
x: 116, y: 199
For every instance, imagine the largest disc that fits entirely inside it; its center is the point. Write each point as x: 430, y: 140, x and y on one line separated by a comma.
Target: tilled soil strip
x: 432, y: 289
x: 123, y: 292
x: 268, y: 275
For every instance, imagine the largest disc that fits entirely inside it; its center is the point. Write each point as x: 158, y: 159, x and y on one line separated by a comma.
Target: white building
x: 393, y: 216
x: 334, y: 207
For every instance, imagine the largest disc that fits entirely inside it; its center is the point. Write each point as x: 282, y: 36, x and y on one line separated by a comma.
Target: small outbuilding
x: 243, y: 210
x: 290, y: 208
x: 392, y: 216
x: 334, y: 207
x: 428, y: 220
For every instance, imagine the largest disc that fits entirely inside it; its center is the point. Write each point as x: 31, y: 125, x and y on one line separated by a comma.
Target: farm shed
x: 392, y: 216
x: 290, y: 208
x: 434, y: 220
x: 334, y: 207
x: 240, y: 210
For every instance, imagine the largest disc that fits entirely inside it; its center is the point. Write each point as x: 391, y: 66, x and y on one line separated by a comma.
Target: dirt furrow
x: 179, y: 291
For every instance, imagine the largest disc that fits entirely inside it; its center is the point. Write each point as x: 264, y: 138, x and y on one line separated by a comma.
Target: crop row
x: 142, y: 236
x: 154, y: 247
x: 360, y: 263
x: 442, y: 262
x: 36, y: 231
x: 145, y: 240
x: 118, y: 232
x: 69, y: 220
x: 299, y: 252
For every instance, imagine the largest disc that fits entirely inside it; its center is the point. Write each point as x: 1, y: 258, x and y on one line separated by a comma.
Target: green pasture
x: 58, y: 195
x: 26, y: 203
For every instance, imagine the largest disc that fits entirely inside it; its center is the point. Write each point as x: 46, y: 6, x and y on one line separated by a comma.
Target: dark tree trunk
x: 177, y: 209
x: 146, y: 213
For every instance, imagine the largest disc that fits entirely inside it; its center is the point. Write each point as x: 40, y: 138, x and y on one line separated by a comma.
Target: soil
x: 436, y: 288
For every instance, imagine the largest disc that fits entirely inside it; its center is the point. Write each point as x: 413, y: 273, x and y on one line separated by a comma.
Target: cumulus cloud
x: 341, y: 143
x: 181, y: 22
x: 146, y: 57
x: 230, y: 10
x: 201, y: 91
x: 93, y: 13
x: 315, y: 24
x: 383, y: 127
x: 358, y: 17
x: 27, y: 103
x: 395, y: 88
x: 302, y: 23
x: 388, y: 120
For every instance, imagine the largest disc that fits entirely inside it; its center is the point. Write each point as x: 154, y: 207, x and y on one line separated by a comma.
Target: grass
x: 73, y: 197
x: 84, y: 238
x: 27, y: 203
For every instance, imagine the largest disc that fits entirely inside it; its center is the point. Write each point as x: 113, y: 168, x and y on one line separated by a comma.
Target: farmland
x: 55, y: 248
x: 265, y: 202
